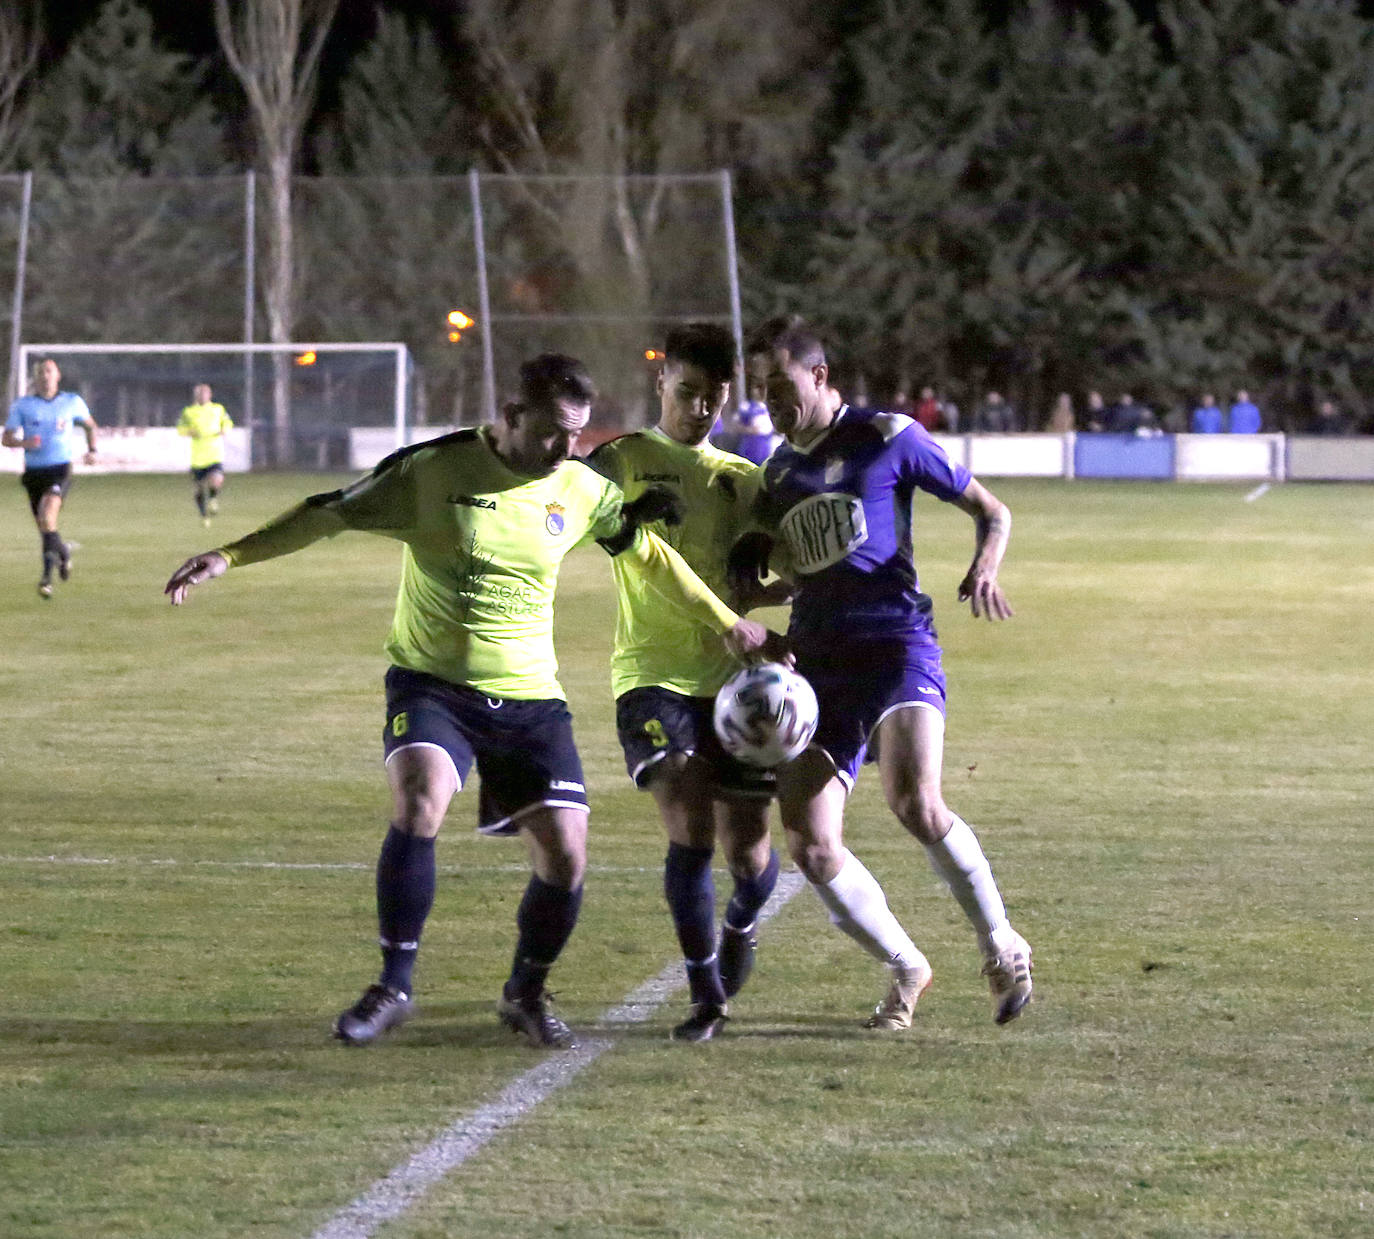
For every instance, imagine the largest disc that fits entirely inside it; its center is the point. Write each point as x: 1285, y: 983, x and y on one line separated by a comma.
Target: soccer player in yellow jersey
x: 486, y: 517
x: 667, y: 667
x: 205, y: 422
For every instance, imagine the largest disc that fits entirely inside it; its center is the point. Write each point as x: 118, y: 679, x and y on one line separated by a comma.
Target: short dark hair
x: 551, y: 377
x: 790, y: 332
x: 708, y: 345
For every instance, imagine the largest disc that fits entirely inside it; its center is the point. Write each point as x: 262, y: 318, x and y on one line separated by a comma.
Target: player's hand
x: 751, y: 642
x: 195, y: 571
x: 985, y: 596
x: 89, y: 458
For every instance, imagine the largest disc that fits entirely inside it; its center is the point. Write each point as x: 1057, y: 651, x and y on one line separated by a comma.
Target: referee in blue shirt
x: 41, y: 424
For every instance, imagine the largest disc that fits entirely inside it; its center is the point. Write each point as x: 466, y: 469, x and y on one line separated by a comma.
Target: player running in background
x: 41, y: 423
x: 486, y: 517
x: 205, y: 422
x: 667, y: 667
x: 837, y: 495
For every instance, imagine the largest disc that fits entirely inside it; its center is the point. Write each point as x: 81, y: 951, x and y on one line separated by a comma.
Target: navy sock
x: 52, y: 551
x: 200, y: 501
x: 405, y: 894
x: 691, y: 893
x: 545, y: 921
x: 751, y: 894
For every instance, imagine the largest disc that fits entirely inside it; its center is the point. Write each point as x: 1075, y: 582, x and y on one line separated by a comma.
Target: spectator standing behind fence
x: 949, y: 416
x: 1129, y: 417
x: 1207, y: 416
x: 1096, y: 416
x: 1061, y: 420
x: 1331, y: 420
x: 927, y: 410
x: 1244, y: 417
x: 994, y: 416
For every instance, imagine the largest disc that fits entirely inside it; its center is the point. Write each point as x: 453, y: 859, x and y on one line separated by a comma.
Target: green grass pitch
x: 1167, y: 755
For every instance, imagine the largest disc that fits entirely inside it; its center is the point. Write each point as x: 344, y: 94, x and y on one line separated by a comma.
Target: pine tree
x: 127, y: 248
x: 1270, y: 174
x: 395, y: 201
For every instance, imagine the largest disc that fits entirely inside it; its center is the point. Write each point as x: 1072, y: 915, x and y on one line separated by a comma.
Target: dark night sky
x: 188, y: 25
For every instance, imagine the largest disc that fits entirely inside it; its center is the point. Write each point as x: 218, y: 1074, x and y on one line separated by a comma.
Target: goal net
x: 295, y: 406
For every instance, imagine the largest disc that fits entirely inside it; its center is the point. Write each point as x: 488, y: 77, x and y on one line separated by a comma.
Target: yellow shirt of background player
x: 205, y: 425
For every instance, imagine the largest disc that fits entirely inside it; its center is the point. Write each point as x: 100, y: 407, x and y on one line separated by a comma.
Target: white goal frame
x: 399, y: 351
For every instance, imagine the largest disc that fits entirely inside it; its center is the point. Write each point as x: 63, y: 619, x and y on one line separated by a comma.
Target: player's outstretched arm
x: 195, y: 571
x: 992, y: 520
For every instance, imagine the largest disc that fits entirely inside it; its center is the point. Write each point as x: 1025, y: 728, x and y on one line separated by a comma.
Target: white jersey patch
x: 822, y: 530
x: 890, y: 425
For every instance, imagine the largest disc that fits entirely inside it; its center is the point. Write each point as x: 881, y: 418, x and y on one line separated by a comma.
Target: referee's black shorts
x: 46, y: 480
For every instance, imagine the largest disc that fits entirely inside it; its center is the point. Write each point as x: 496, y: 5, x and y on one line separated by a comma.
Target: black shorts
x: 46, y: 480
x: 201, y: 472
x: 653, y: 722
x: 524, y: 750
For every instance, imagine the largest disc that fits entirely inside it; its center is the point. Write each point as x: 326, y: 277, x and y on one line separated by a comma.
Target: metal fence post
x: 16, y: 380
x: 479, y: 243
x: 732, y: 274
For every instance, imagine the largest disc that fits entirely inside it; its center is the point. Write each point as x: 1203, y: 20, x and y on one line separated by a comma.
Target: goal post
x: 299, y: 405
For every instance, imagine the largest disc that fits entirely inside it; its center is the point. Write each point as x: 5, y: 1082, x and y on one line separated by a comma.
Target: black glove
x: 657, y: 503
x: 747, y: 563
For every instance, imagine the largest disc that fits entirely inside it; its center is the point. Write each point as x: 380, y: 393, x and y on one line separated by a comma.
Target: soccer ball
x: 765, y: 715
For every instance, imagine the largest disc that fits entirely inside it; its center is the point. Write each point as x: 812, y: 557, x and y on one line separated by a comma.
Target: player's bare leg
x: 214, y: 483
x: 811, y: 798
x: 423, y: 781
x: 911, y: 757
x: 557, y: 841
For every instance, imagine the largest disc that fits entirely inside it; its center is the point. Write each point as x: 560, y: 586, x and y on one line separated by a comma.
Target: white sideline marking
x: 393, y: 1195
x: 1261, y: 489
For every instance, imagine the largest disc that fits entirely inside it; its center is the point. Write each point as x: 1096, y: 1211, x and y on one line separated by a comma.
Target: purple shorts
x: 859, y: 683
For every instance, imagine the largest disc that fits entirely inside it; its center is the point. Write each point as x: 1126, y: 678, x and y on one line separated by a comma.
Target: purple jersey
x: 842, y: 509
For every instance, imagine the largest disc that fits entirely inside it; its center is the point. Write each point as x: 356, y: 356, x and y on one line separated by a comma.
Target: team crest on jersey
x: 553, y: 520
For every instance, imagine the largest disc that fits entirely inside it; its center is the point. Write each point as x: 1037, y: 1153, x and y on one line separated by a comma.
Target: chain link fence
x: 595, y: 266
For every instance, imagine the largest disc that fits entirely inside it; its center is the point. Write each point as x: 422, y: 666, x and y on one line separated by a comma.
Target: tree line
x: 1035, y: 198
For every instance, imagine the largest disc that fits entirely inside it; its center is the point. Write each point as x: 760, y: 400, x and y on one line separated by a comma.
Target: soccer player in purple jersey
x: 836, y: 502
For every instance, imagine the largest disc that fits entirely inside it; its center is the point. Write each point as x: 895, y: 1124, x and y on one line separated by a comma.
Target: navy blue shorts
x: 859, y: 683
x: 653, y: 722
x: 201, y: 472
x: 524, y: 750
x: 46, y: 480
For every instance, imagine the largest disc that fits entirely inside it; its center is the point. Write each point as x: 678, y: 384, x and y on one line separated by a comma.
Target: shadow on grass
x: 469, y: 1024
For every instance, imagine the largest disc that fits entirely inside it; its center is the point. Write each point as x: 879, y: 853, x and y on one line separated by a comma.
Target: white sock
x: 857, y: 906
x: 959, y: 860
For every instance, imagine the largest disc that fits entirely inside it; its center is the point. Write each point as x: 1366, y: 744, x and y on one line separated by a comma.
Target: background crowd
x: 995, y: 414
